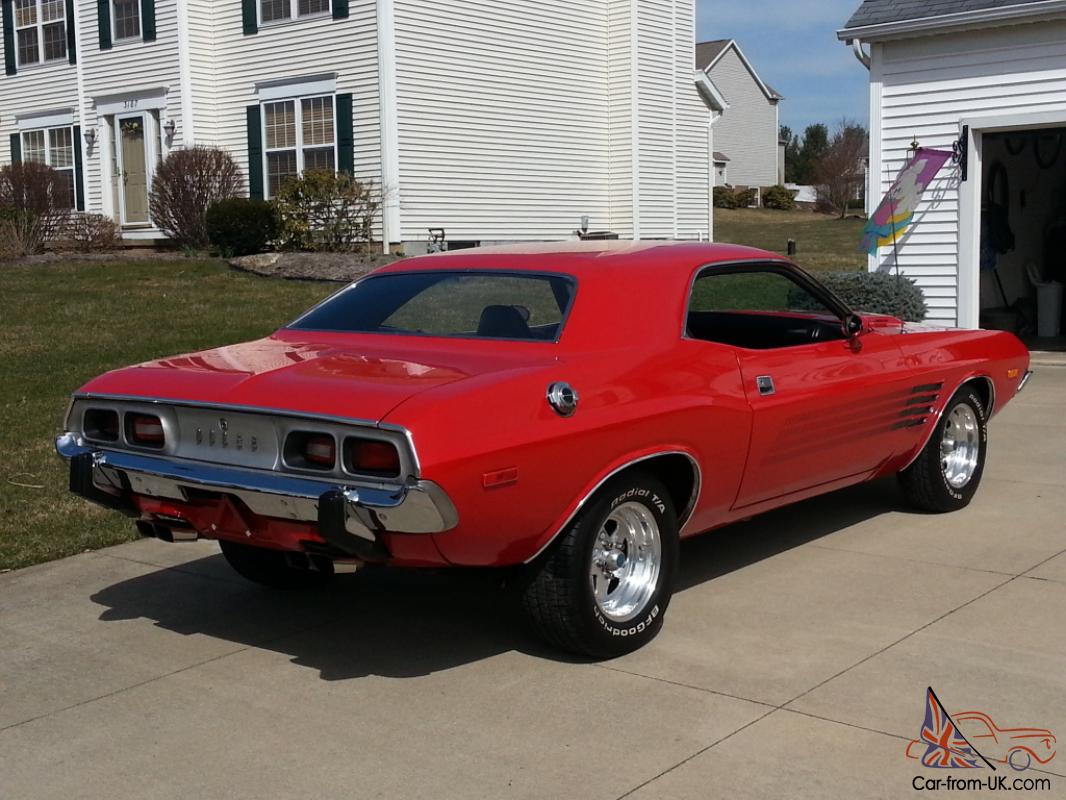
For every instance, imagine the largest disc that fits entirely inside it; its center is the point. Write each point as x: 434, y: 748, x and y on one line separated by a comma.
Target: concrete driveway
x: 794, y: 662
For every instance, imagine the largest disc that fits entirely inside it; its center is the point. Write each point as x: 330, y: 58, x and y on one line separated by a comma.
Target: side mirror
x: 853, y: 326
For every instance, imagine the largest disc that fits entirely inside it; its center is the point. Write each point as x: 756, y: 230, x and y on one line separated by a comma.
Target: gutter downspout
x: 391, y: 224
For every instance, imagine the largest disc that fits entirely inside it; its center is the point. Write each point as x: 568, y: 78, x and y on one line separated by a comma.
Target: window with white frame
x: 277, y: 10
x: 299, y: 135
x: 54, y: 147
x: 40, y: 31
x: 126, y: 17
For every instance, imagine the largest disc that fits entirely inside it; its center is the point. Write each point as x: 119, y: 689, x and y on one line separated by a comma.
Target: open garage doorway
x: 1023, y: 234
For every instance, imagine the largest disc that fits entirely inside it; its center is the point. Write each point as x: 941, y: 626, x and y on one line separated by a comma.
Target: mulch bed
x: 335, y: 267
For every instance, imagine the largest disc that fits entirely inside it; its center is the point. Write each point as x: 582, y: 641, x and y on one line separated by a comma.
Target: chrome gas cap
x: 563, y: 398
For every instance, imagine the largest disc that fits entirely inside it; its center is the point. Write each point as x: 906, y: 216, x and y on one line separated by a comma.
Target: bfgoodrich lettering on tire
x: 946, y: 475
x: 603, y: 588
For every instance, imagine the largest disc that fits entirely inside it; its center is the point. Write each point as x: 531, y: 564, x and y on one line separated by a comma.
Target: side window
x: 759, y: 310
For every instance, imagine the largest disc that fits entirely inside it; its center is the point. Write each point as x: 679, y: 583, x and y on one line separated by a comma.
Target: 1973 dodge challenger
x: 572, y: 410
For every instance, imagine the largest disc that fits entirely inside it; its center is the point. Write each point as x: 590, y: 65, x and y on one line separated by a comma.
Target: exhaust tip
x: 146, y: 529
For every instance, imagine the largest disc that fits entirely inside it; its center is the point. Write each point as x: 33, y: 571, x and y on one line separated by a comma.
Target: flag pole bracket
x: 960, y: 154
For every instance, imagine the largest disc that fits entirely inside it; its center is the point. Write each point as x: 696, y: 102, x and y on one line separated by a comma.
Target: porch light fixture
x: 90, y: 136
x: 169, y: 128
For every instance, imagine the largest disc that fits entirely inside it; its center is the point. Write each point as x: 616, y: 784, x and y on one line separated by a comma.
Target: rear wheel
x: 603, y: 588
x: 948, y: 471
x: 272, y: 568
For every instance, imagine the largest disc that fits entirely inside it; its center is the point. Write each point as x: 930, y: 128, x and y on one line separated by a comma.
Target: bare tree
x: 840, y: 173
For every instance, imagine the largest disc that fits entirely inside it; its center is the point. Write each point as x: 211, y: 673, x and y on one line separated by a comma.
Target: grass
x: 825, y: 243
x: 65, y: 323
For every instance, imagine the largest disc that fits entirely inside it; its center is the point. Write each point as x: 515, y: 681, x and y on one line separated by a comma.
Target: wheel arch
x: 985, y: 387
x: 678, y: 470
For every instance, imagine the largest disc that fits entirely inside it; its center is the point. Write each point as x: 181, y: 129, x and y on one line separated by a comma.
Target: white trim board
x: 150, y: 100
x: 46, y: 119
x: 289, y: 88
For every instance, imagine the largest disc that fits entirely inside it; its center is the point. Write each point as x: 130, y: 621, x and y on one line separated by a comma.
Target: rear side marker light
x: 145, y: 430
x: 371, y: 457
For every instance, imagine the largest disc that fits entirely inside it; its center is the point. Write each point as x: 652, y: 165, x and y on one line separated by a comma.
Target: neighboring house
x: 748, y: 133
x: 502, y: 122
x: 990, y: 76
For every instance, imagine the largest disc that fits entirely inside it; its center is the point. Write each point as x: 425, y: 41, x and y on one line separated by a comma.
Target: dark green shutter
x: 16, y: 148
x: 10, y: 61
x: 250, y: 16
x: 103, y: 16
x: 72, y: 40
x: 79, y: 172
x: 148, y: 20
x: 255, y: 153
x: 345, y: 135
x: 340, y: 9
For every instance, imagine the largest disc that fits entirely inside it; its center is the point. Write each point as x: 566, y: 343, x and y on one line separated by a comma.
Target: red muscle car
x: 569, y: 410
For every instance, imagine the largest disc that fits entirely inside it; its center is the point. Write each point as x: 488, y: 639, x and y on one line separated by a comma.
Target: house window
x: 299, y: 135
x: 54, y: 147
x: 276, y: 10
x: 127, y: 19
x: 40, y: 30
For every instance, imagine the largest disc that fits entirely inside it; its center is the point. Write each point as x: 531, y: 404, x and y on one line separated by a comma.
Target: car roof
x: 578, y: 257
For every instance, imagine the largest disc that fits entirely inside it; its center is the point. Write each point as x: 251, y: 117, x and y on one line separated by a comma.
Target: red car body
x: 502, y: 470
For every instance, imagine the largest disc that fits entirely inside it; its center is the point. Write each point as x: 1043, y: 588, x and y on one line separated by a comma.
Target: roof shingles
x: 879, y: 12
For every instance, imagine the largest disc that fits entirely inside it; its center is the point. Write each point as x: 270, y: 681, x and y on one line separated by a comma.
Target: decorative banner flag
x: 946, y: 747
x: 893, y: 218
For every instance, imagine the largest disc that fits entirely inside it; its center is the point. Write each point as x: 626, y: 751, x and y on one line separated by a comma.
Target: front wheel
x: 948, y: 471
x: 603, y: 588
x: 271, y: 568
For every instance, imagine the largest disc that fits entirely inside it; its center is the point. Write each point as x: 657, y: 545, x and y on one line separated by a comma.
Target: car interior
x: 763, y: 331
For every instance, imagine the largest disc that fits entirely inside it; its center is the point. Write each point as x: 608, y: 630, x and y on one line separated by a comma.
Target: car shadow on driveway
x: 409, y: 623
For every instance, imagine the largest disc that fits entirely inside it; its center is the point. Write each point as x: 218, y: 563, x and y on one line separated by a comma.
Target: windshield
x: 479, y: 305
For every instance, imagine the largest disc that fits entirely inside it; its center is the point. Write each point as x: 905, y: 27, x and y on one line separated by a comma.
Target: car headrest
x: 503, y: 322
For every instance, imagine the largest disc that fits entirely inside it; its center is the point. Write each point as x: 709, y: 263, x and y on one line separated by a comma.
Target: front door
x: 133, y: 169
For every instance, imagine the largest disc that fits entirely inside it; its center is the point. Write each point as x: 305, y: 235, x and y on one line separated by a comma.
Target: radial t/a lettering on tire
x: 603, y: 587
x: 947, y: 473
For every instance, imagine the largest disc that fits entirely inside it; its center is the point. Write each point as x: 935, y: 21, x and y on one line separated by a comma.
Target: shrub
x: 873, y: 292
x: 779, y: 198
x: 746, y: 197
x: 90, y: 233
x: 325, y: 210
x: 185, y: 185
x: 241, y: 227
x: 725, y: 197
x: 34, y: 207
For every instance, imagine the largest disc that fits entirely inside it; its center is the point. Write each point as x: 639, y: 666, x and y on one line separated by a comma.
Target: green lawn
x: 825, y: 242
x: 65, y: 323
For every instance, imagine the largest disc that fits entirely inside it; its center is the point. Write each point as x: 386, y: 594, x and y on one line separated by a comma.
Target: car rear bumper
x: 348, y: 516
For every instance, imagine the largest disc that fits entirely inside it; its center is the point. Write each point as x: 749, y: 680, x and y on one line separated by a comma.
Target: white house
x: 987, y: 77
x: 502, y: 121
x: 748, y: 133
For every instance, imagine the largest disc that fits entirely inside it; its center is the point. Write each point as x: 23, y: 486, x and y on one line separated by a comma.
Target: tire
x: 270, y: 567
x: 558, y: 596
x: 942, y: 481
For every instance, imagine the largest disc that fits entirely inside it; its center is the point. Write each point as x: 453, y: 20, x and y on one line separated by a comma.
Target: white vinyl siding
x: 925, y: 88
x: 748, y: 131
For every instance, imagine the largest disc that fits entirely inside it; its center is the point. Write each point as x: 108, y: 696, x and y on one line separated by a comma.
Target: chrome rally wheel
x: 960, y: 445
x: 626, y: 562
x: 603, y: 587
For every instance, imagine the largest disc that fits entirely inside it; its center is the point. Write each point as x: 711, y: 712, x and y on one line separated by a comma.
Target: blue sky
x: 793, y: 46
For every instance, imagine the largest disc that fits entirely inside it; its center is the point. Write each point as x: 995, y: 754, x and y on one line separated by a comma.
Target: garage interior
x: 1023, y: 235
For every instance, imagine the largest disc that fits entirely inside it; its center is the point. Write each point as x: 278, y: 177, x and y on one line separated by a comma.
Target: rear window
x: 480, y: 305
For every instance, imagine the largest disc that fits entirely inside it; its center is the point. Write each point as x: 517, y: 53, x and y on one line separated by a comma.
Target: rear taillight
x: 145, y: 430
x: 321, y: 451
x: 100, y: 424
x: 309, y: 450
x: 371, y: 457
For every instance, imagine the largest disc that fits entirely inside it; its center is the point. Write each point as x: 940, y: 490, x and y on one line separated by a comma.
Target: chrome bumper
x: 361, y: 511
x: 1025, y: 381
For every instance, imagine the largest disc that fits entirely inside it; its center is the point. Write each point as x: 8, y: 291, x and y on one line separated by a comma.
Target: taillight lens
x: 320, y: 451
x: 145, y: 430
x: 100, y: 424
x: 371, y: 457
x: 309, y: 450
